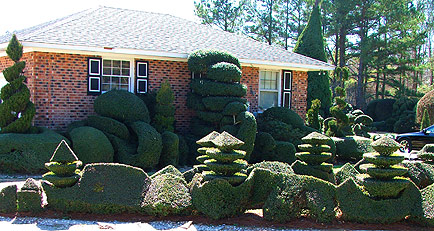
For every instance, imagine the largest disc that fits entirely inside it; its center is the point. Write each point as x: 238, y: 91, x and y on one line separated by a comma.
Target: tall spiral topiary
x: 164, y: 109
x: 16, y: 110
x: 383, y: 178
x: 314, y: 153
x: 313, y: 115
x: 222, y: 157
x: 217, y: 97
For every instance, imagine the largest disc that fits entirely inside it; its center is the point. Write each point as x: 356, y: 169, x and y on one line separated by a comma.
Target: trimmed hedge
x: 297, y: 196
x: 27, y: 153
x: 218, y: 199
x: 29, y: 197
x: 317, y: 171
x: 167, y: 195
x: 359, y: 207
x: 247, y: 132
x: 103, y: 189
x: 199, y: 61
x: 170, y: 169
x: 170, y: 149
x: 149, y: 148
x: 426, y: 214
x: 194, y: 101
x: 210, y: 88
x: 109, y: 125
x: 347, y: 171
x: 284, y: 152
x: 284, y: 115
x: 420, y: 173
x: 218, y: 103
x: 426, y: 102
x: 273, y: 166
x: 234, y: 108
x: 427, y: 153
x: 8, y: 199
x: 121, y: 105
x: 352, y: 147
x: 91, y: 145
x: 224, y: 72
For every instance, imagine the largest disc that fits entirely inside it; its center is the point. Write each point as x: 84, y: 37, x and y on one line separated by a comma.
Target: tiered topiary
x: 222, y: 158
x: 383, y: 178
x: 313, y: 115
x: 16, y: 110
x: 315, y: 152
x: 29, y: 197
x: 216, y: 97
x: 164, y: 118
x: 341, y: 127
x: 63, y: 167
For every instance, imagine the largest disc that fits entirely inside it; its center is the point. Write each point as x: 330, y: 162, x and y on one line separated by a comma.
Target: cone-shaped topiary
x: 383, y: 178
x: 221, y: 157
x: 29, y: 197
x: 63, y: 167
x: 16, y: 110
x: 216, y: 97
x: 164, y: 109
x: 314, y: 152
x: 425, y: 120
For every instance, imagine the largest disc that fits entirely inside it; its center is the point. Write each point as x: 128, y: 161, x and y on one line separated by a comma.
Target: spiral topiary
x: 222, y: 158
x: 313, y: 115
x: 164, y: 109
x: 63, y: 167
x: 383, y: 175
x: 16, y: 110
x: 314, y: 153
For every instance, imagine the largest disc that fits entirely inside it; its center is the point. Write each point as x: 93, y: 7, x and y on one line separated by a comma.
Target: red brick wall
x: 58, y: 85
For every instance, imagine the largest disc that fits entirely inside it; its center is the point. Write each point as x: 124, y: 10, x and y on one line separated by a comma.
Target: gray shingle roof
x: 138, y: 30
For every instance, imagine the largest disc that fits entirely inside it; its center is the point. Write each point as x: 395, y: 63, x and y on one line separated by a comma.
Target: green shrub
x: 317, y: 171
x: 109, y: 125
x: 352, y: 148
x: 150, y: 100
x: 405, y: 122
x: 29, y: 197
x: 170, y: 169
x: 199, y: 61
x: 421, y: 174
x: 426, y: 214
x: 380, y: 109
x: 427, y: 153
x: 247, y: 132
x: 224, y: 72
x: 167, y: 195
x: 164, y: 109
x: 273, y: 166
x: 284, y: 115
x: 77, y: 124
x: 27, y: 153
x: 184, y: 151
x: 170, y: 152
x: 284, y: 152
x: 149, y: 146
x: 121, y: 105
x: 359, y: 207
x: 218, y: 199
x: 296, y: 196
x: 209, y: 117
x: 194, y: 101
x: 234, y: 108
x: 16, y: 109
x: 8, y: 199
x: 425, y: 120
x: 425, y: 103
x: 347, y: 171
x: 218, y: 103
x: 91, y: 145
x: 264, y: 147
x: 104, y: 188
x: 200, y: 128
x: 313, y: 115
x: 211, y: 88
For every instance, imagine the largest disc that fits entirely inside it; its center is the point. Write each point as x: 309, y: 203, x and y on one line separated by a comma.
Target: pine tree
x: 16, y: 110
x: 311, y: 44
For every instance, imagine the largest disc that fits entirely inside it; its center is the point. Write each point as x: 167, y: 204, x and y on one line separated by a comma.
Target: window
x: 115, y: 75
x: 94, y: 76
x: 269, y: 84
x: 142, y: 77
x: 287, y: 89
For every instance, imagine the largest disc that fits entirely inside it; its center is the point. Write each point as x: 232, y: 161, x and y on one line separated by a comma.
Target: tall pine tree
x: 311, y: 44
x: 16, y: 110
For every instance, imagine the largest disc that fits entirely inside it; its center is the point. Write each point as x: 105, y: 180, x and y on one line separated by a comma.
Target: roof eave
x: 174, y: 56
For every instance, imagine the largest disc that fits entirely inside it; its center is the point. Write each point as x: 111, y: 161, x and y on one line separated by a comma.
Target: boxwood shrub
x: 218, y: 103
x: 352, y: 148
x: 199, y: 61
x: 8, y: 199
x: 224, y: 72
x: 347, y: 171
x: 149, y: 145
x: 170, y: 169
x: 210, y: 88
x: 109, y: 125
x: 421, y: 174
x: 91, y: 145
x: 170, y: 149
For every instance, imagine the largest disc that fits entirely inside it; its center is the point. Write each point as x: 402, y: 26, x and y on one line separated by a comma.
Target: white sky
x: 21, y: 14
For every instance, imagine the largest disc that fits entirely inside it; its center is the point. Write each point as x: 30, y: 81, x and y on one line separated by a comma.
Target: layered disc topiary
x: 221, y: 158
x: 315, y: 152
x: 63, y: 167
x: 383, y: 178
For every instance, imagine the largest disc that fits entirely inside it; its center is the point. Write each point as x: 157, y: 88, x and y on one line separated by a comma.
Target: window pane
x: 106, y: 63
x: 106, y: 71
x: 116, y: 71
x: 125, y: 80
x: 116, y: 63
x: 105, y: 79
x: 267, y: 99
x: 268, y: 80
x: 106, y: 87
x: 125, y: 72
x: 126, y: 64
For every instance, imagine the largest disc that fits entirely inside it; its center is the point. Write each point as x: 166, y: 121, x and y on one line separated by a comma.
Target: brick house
x: 71, y: 60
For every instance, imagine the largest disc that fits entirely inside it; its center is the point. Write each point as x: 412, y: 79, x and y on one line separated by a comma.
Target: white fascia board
x: 158, y: 55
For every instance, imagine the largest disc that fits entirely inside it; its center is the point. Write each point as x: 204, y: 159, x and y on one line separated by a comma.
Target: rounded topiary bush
x: 121, y: 105
x: 426, y: 102
x: 199, y: 61
x: 109, y: 125
x: 224, y: 72
x: 380, y: 109
x: 170, y: 151
x: 284, y: 115
x: 91, y: 145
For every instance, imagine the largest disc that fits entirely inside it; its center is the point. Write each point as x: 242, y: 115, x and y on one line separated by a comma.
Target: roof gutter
x: 147, y: 54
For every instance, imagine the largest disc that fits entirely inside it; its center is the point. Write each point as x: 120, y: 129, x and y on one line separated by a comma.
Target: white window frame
x: 130, y: 77
x: 146, y: 67
x: 90, y: 66
x: 99, y: 85
x: 279, y: 92
x: 146, y: 87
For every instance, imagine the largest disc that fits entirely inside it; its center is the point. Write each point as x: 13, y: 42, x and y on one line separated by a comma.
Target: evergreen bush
x: 425, y: 103
x: 347, y: 171
x: 224, y: 72
x: 313, y: 115
x: 426, y: 215
x: 170, y: 149
x: 8, y: 199
x: 427, y: 153
x: 352, y: 148
x: 16, y: 109
x: 421, y: 174
x: 199, y: 61
x: 164, y: 109
x: 425, y: 120
x: 91, y: 145
x: 205, y: 87
x: 108, y: 125
x: 29, y: 197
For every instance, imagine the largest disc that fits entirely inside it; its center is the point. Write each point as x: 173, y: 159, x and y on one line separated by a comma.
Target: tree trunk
x: 377, y: 83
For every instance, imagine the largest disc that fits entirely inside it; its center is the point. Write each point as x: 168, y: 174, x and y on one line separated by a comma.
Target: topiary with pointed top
x: 383, y: 178
x: 63, y: 167
x: 16, y: 110
x: 314, y: 153
x: 221, y: 157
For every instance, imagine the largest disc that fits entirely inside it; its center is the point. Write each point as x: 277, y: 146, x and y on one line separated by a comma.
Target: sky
x: 21, y: 14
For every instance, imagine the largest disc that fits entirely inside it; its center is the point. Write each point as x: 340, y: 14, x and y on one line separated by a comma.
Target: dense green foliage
x: 426, y: 216
x: 170, y: 149
x: 425, y: 103
x: 27, y: 153
x: 312, y: 115
x: 164, y: 118
x: 425, y: 122
x: 29, y: 197
x: 199, y: 61
x: 380, y: 109
x: 109, y: 125
x: 16, y: 109
x: 352, y: 147
x: 347, y: 171
x: 167, y: 195
x: 427, y: 153
x: 8, y: 199
x: 91, y: 145
x: 121, y: 105
x: 338, y: 114
x: 421, y: 174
